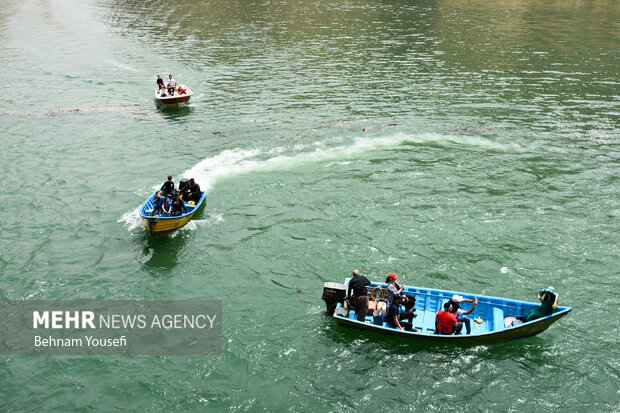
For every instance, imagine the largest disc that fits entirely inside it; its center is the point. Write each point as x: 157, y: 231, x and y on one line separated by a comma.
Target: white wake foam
x: 239, y: 161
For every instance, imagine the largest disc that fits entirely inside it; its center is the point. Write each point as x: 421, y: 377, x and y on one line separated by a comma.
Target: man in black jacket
x: 167, y: 189
x: 194, y: 191
x: 360, y: 298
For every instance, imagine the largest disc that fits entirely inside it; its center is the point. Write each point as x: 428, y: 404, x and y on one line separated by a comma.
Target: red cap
x: 393, y: 276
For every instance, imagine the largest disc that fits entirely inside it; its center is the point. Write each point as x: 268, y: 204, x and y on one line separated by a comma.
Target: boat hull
x: 506, y: 335
x: 174, y: 101
x: 160, y: 226
x: 491, y: 310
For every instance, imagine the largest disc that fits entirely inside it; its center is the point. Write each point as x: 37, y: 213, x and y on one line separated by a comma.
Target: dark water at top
x: 469, y: 146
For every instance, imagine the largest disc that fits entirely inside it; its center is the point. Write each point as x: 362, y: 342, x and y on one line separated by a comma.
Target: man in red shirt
x: 445, y: 321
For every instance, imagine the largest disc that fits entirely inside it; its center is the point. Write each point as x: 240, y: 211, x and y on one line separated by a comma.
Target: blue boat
x: 490, y: 320
x: 160, y: 225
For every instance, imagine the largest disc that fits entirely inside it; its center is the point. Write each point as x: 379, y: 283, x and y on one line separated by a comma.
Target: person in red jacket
x: 445, y: 321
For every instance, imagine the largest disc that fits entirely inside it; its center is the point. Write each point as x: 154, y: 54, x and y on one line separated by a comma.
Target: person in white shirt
x: 456, y: 301
x: 172, y: 84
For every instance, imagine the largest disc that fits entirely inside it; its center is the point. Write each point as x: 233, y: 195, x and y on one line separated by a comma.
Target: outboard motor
x: 333, y: 293
x: 183, y: 185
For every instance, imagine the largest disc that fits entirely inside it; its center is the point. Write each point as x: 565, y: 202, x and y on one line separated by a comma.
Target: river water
x: 469, y: 146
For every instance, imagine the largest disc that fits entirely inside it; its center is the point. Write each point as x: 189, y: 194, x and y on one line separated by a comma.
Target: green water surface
x: 469, y: 146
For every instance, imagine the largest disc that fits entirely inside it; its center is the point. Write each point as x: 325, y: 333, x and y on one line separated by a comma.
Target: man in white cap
x: 461, y: 314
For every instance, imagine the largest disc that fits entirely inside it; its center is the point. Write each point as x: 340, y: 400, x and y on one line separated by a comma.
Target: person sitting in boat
x: 158, y: 203
x: 181, y: 90
x: 548, y: 303
x: 178, y: 207
x: 168, y: 187
x: 193, y: 192
x: 359, y: 299
x: 172, y: 84
x: 395, y: 319
x: 393, y: 289
x: 162, y: 93
x: 446, y: 323
x: 167, y: 207
x: 160, y: 83
x: 461, y: 315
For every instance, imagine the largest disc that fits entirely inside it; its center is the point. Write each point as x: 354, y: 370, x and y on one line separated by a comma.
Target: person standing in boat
x: 359, y: 299
x: 394, y: 317
x: 160, y: 83
x: 193, y: 193
x: 168, y: 187
x: 461, y: 315
x: 446, y: 323
x: 172, y: 84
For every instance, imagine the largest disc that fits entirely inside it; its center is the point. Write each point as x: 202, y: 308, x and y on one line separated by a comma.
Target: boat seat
x: 498, y: 319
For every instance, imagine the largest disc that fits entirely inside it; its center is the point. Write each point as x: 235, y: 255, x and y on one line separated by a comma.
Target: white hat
x: 457, y: 298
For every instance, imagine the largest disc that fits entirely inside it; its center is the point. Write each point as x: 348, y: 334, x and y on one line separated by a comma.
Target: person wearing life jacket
x: 193, y: 193
x: 446, y: 323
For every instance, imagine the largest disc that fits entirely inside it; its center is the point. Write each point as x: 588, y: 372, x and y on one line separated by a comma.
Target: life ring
x: 191, y: 203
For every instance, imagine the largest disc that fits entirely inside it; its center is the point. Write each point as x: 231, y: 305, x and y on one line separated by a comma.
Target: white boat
x: 175, y: 100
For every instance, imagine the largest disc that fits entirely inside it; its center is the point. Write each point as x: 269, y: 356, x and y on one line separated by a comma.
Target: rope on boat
x: 298, y: 291
x: 307, y: 295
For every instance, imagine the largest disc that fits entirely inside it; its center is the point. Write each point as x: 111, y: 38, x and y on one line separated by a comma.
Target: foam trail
x: 235, y: 161
x: 238, y: 161
x: 226, y: 163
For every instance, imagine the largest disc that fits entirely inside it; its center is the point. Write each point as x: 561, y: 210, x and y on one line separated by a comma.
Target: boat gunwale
x: 193, y: 211
x: 172, y: 99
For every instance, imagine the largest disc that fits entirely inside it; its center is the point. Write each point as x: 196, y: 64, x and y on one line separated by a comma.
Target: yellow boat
x: 162, y: 225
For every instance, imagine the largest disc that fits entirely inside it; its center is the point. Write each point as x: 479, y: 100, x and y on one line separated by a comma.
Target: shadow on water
x: 173, y: 113
x: 163, y: 252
